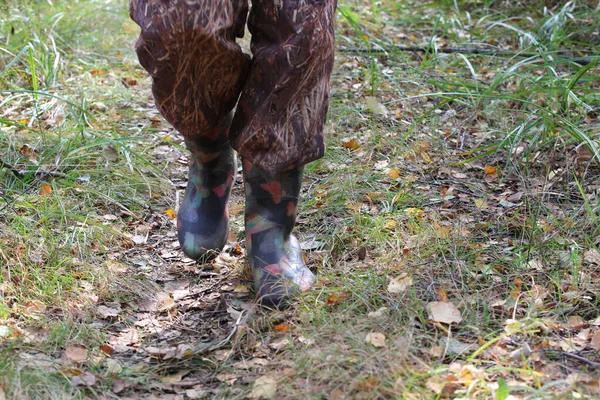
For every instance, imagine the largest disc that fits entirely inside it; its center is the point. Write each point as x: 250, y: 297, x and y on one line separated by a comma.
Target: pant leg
x: 281, y: 114
x: 198, y: 71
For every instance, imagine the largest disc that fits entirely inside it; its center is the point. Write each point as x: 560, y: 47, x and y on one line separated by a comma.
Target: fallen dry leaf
x: 377, y: 339
x: 282, y: 327
x: 280, y: 344
x: 76, y: 354
x: 592, y: 256
x: 171, y: 213
x: 377, y: 314
x: 264, y: 387
x: 413, y: 212
x: 441, y: 311
x: 336, y: 298
x: 45, y: 190
x: 375, y: 107
x: 393, y: 173
x: 481, y: 203
x: 400, y: 284
x: 85, y: 379
x: 351, y: 144
x: 113, y: 367
x: 595, y: 342
x: 107, y: 312
x: 175, y: 377
x: 121, y: 384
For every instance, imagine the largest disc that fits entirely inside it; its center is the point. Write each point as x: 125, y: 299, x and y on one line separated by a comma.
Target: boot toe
x: 274, y: 290
x: 201, y: 247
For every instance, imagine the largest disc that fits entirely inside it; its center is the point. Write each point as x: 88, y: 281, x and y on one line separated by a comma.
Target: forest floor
x: 453, y: 223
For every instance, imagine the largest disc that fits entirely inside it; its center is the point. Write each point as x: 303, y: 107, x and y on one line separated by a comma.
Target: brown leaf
x: 440, y: 311
x: 351, y: 144
x: 575, y: 322
x: 393, y: 173
x: 85, y: 379
x: 76, y: 354
x: 127, y: 82
x: 108, y: 350
x: 441, y: 294
x: 45, y: 190
x: 592, y: 256
x: 35, y: 306
x: 105, y: 312
x: 336, y: 298
x: 282, y: 327
x: 121, y: 384
x: 595, y: 342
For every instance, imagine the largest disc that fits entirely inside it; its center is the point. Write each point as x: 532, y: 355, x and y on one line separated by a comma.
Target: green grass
x: 415, y: 196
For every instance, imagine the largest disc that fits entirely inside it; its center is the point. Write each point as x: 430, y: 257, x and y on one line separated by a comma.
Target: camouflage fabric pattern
x: 199, y: 72
x: 273, y: 252
x: 203, y: 219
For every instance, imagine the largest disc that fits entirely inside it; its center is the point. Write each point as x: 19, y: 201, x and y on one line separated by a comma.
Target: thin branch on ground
x: 448, y: 50
x: 21, y: 173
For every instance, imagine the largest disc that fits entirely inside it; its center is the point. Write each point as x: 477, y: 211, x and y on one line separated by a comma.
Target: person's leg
x: 188, y: 48
x: 274, y: 254
x: 277, y: 128
x: 281, y: 113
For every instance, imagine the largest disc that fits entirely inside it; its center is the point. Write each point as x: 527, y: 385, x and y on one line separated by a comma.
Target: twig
x: 589, y: 363
x: 447, y: 50
x: 215, y: 345
x: 16, y: 172
x: 22, y: 173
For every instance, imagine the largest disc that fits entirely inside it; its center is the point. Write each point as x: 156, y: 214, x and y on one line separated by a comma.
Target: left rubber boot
x: 274, y: 254
x: 203, y: 217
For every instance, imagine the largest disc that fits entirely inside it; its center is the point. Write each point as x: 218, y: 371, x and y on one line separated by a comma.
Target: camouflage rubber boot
x: 203, y: 217
x: 273, y: 252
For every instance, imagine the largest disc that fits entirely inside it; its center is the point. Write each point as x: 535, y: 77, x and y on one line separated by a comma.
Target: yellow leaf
x: 45, y: 189
x: 394, y: 173
x: 353, y: 207
x: 241, y: 289
x: 480, y: 203
x: 443, y: 231
x: 391, y: 225
x: 375, y: 107
x: 171, y: 213
x: 490, y: 170
x: 413, y: 212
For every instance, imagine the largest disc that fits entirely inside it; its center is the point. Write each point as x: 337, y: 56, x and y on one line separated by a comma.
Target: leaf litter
x: 169, y: 306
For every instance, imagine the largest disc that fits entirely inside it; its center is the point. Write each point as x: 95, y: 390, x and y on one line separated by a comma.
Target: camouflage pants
x: 200, y: 73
